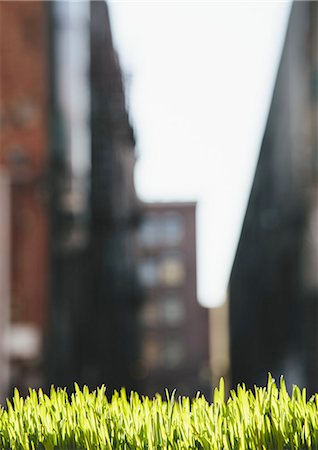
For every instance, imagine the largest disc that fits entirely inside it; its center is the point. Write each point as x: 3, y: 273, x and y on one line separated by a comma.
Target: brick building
x: 174, y: 327
x: 24, y: 156
x: 68, y: 148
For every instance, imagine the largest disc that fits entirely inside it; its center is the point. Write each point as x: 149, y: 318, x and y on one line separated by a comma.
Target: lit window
x: 172, y: 271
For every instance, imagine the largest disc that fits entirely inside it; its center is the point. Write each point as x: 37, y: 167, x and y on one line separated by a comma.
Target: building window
x: 172, y: 309
x: 161, y: 229
x: 151, y: 352
x: 172, y: 271
x: 173, y: 353
x: 149, y: 230
x: 167, y: 354
x: 148, y: 272
x: 169, y: 271
x: 150, y: 314
x: 172, y: 228
x: 168, y: 311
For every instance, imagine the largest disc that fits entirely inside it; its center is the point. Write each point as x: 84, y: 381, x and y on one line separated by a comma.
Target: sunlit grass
x: 265, y: 418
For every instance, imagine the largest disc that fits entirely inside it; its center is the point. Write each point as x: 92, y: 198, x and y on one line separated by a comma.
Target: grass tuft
x: 259, y: 419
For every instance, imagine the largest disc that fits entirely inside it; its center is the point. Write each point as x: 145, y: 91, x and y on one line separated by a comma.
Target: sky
x: 199, y: 78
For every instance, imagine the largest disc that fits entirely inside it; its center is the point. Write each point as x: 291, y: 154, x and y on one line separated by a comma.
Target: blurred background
x: 122, y: 268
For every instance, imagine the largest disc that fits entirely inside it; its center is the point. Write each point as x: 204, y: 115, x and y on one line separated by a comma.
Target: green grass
x: 263, y: 418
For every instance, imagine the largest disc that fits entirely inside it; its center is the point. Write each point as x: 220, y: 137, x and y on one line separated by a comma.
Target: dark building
x: 68, y: 147
x: 274, y: 282
x: 114, y: 215
x: 174, y: 327
x: 95, y: 293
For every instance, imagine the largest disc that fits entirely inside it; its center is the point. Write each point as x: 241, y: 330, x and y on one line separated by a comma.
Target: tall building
x: 24, y: 155
x: 174, y: 327
x: 274, y: 282
x: 68, y: 149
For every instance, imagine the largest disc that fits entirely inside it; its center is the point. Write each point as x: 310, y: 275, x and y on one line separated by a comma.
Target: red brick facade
x: 24, y: 151
x: 174, y: 327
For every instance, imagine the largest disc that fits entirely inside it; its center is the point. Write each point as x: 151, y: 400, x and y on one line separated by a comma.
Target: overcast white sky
x: 201, y: 78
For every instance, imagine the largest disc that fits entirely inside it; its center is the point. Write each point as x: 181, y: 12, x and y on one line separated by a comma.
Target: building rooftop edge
x: 166, y: 204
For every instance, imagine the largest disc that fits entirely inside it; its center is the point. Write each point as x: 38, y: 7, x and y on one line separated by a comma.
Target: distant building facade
x: 68, y: 148
x: 274, y: 282
x: 173, y: 326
